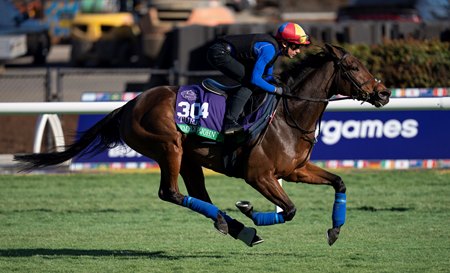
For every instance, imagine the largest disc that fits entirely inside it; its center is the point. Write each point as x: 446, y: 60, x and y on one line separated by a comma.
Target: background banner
x: 384, y: 135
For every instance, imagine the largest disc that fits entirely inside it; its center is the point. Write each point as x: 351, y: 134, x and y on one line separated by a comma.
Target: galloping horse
x: 283, y: 149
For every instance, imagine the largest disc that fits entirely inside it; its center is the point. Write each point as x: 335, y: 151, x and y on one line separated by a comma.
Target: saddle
x: 218, y: 88
x: 253, y: 104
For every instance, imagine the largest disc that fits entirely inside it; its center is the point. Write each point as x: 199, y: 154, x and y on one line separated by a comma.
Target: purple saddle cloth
x: 202, y: 112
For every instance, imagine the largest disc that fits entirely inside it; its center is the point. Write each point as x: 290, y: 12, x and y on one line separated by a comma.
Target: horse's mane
x: 296, y: 72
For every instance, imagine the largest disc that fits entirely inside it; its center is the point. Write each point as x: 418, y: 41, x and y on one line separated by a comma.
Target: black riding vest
x: 243, y: 46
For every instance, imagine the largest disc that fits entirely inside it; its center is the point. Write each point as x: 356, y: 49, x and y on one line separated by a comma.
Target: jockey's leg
x: 219, y: 56
x: 235, y: 106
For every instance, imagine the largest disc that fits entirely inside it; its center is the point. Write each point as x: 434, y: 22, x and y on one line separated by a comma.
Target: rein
x: 339, y: 69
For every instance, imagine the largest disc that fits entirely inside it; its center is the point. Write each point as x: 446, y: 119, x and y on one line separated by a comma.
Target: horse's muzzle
x: 381, y: 97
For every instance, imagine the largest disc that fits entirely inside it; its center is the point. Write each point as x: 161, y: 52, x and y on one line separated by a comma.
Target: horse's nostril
x: 384, y: 94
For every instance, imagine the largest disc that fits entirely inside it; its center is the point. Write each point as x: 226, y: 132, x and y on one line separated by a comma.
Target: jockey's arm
x: 264, y: 53
x: 269, y: 75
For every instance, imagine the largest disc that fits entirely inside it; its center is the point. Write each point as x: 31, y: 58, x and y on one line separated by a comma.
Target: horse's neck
x: 316, y: 86
x: 293, y: 128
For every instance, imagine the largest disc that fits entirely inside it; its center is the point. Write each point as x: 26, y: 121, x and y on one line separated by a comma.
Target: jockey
x: 249, y: 59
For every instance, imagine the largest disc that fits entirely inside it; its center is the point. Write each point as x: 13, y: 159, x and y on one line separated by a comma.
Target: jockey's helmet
x: 292, y: 33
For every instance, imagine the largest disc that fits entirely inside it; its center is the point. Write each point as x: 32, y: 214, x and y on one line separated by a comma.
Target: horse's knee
x: 289, y: 214
x: 339, y: 185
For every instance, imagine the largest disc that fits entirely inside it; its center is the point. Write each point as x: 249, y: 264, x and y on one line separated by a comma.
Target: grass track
x: 397, y: 221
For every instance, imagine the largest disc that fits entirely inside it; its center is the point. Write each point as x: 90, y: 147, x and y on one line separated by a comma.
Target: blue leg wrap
x: 202, y: 207
x: 339, y: 209
x: 267, y: 218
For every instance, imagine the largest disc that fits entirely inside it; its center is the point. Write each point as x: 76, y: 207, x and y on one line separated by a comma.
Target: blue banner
x: 377, y: 135
x: 371, y: 135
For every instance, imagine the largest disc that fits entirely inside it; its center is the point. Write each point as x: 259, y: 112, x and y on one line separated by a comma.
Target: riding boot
x: 235, y: 106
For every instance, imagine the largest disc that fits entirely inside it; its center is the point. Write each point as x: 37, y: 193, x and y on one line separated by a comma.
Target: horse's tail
x: 103, y: 135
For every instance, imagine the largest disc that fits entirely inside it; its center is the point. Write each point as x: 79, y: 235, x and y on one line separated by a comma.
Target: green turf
x: 397, y: 221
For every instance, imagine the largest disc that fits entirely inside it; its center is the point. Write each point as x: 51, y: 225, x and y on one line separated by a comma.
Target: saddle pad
x: 199, y: 112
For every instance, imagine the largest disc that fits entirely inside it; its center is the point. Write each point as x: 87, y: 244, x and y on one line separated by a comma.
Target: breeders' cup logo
x: 189, y: 95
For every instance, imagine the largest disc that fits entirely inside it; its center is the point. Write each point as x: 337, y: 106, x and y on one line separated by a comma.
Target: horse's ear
x: 333, y: 50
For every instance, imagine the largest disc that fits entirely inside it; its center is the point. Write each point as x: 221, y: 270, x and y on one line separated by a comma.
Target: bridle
x: 361, y: 94
x: 341, y: 70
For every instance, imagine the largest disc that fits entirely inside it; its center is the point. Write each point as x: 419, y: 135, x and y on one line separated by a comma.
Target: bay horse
x: 282, y: 151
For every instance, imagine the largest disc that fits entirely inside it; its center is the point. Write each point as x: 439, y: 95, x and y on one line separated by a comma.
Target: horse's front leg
x: 269, y: 187
x: 312, y: 174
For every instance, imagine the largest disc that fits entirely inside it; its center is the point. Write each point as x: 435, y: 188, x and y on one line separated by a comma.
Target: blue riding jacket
x: 264, y: 52
x: 257, y: 52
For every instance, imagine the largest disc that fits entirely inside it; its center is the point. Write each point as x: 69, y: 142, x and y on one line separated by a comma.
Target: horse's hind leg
x: 170, y: 165
x: 163, y: 143
x: 194, y: 180
x: 312, y: 174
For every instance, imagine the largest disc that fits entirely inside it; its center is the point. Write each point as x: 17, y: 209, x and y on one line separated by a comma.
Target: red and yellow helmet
x: 292, y: 33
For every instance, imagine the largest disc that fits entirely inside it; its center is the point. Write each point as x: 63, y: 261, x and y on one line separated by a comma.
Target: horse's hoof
x: 245, y: 207
x: 332, y: 235
x: 221, y: 224
x: 257, y: 240
x: 249, y: 237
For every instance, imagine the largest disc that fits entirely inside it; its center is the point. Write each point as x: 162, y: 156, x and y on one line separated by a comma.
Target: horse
x: 282, y: 151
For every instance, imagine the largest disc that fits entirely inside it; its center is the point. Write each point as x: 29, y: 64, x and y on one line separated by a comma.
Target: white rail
x: 434, y: 103
x: 29, y: 108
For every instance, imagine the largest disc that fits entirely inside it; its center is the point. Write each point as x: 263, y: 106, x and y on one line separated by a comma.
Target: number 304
x: 194, y: 110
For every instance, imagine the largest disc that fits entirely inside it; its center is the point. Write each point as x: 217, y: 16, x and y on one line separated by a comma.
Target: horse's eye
x: 354, y: 68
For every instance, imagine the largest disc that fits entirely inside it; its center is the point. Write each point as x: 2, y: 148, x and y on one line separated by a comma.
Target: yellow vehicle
x: 104, y: 39
x: 103, y: 36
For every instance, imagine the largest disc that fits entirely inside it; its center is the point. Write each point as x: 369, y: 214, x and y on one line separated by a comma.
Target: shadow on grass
x: 30, y: 252
x: 370, y: 208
